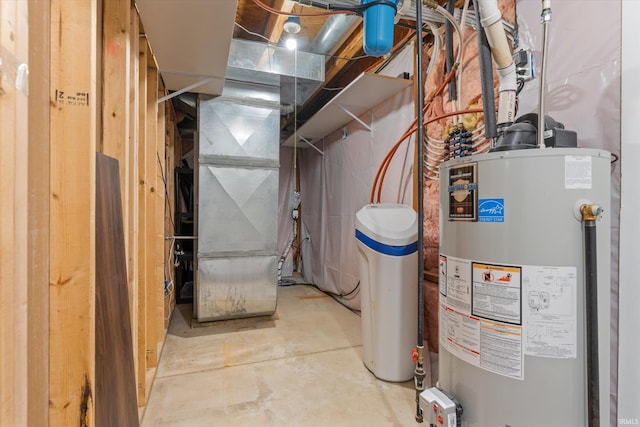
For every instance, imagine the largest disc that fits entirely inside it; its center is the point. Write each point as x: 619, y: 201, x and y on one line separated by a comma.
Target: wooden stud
x: 13, y: 227
x: 160, y: 215
x: 37, y: 272
x: 151, y: 187
x: 142, y: 221
x: 116, y: 82
x: 73, y: 115
x: 133, y: 259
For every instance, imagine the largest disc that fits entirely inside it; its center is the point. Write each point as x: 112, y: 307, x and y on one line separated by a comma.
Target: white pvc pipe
x: 491, y: 20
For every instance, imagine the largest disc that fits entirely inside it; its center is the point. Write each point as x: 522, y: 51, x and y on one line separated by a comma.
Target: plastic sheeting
x: 335, y: 186
x: 583, y: 93
x: 629, y: 383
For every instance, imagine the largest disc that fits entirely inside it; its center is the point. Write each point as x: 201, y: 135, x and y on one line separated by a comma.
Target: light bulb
x: 291, y: 43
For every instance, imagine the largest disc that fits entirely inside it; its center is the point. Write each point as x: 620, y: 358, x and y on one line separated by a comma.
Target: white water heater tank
x: 512, y: 286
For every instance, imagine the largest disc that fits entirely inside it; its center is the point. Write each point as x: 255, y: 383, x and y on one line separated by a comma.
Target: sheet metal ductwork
x: 237, y: 182
x: 333, y: 34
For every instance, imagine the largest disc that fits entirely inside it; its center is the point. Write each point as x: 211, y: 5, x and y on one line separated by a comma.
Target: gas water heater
x: 513, y: 312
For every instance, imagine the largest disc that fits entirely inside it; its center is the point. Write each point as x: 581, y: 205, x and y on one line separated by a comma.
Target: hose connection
x: 591, y: 212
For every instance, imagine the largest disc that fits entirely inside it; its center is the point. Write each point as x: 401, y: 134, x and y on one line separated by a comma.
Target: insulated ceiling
x: 190, y: 40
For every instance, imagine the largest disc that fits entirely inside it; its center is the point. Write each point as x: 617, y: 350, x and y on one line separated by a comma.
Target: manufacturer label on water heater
x: 463, y: 192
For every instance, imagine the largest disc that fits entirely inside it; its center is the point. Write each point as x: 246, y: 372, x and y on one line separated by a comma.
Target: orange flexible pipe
x: 409, y: 133
x: 280, y: 12
x: 393, y: 150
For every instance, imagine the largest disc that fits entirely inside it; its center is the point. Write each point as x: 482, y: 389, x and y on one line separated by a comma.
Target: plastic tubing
x: 449, y: 17
x: 463, y: 19
x: 491, y: 21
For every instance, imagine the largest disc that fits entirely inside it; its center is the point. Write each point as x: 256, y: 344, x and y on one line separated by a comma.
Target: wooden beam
x: 37, y: 273
x: 74, y: 59
x: 13, y: 227
x: 274, y: 24
x: 151, y: 187
x: 133, y: 258
x: 142, y: 221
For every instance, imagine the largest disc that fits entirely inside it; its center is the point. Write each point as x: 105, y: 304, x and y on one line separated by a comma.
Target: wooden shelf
x: 362, y: 94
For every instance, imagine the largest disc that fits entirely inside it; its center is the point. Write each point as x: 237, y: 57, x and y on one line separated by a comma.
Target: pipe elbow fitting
x: 507, y: 77
x: 489, y: 12
x: 591, y: 211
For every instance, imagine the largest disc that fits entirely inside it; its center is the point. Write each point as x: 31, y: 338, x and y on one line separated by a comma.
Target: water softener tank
x: 512, y: 311
x: 378, y: 28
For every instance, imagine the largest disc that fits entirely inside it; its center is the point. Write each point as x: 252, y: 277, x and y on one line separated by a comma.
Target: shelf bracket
x: 302, y: 138
x: 354, y: 117
x: 186, y: 89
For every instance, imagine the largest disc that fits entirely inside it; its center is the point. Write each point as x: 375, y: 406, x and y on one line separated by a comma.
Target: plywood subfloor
x: 300, y: 367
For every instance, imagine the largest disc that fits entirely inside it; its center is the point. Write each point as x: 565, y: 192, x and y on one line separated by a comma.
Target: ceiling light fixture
x: 292, y: 25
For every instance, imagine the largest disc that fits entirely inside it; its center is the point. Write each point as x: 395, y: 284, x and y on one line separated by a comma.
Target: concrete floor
x: 300, y: 367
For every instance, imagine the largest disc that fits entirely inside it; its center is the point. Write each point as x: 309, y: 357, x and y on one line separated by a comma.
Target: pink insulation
x: 471, y: 94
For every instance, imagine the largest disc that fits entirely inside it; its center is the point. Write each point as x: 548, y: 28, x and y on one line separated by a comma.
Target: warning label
x: 480, y: 315
x: 497, y: 293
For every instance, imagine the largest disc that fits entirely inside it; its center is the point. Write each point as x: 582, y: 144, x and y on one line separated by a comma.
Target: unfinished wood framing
x: 94, y: 85
x: 74, y: 59
x: 37, y: 272
x: 142, y: 222
x: 116, y: 117
x: 13, y: 227
x: 160, y: 231
x: 132, y: 190
x: 151, y: 186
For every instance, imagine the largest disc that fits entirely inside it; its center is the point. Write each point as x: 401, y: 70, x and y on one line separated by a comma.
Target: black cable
x: 166, y: 193
x: 486, y: 79
x: 520, y: 86
x: 448, y: 40
x: 614, y: 158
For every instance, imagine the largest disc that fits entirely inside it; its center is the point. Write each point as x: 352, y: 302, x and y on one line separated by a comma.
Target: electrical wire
x: 252, y: 33
x: 166, y: 193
